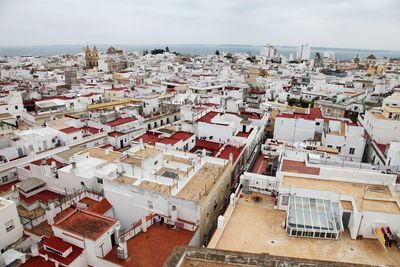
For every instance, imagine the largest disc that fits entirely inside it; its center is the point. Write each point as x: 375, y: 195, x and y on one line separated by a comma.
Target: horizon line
x: 201, y: 44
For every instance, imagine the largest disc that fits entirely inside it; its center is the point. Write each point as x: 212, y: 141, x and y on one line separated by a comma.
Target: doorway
x: 346, y: 218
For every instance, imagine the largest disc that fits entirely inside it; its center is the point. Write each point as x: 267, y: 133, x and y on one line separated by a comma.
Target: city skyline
x: 318, y: 23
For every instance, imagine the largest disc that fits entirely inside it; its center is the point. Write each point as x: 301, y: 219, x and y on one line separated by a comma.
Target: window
x: 330, y: 146
x: 150, y: 204
x: 317, y: 123
x: 285, y: 200
x: 4, y: 179
x: 9, y: 225
x: 352, y: 150
x: 16, y: 107
x: 75, y: 137
x: 99, y: 181
x: 82, y: 184
x: 339, y: 148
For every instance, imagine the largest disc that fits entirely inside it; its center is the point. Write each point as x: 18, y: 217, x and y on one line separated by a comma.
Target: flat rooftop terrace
x: 200, y: 184
x: 153, y: 247
x: 86, y: 224
x: 298, y: 167
x: 109, y: 156
x: 256, y: 227
x: 368, y: 197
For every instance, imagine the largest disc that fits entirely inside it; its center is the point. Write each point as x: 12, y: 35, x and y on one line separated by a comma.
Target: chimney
x: 107, y: 152
x: 141, y: 143
x: 233, y: 199
x: 123, y: 247
x: 53, y: 164
x: 144, y: 224
x: 231, y: 157
x: 204, y: 152
x: 43, y: 162
x: 34, y: 250
x: 220, y: 222
x: 50, y: 213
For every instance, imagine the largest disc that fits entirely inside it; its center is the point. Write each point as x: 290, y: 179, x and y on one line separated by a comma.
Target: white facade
x: 296, y: 129
x: 303, y: 52
x: 10, y: 225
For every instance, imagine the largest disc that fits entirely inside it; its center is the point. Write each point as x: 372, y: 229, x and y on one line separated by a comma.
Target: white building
x: 298, y: 127
x: 347, y: 139
x: 303, y: 52
x: 268, y: 51
x: 10, y: 225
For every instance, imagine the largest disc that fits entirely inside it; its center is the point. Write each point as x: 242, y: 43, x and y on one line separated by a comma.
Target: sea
x: 193, y: 49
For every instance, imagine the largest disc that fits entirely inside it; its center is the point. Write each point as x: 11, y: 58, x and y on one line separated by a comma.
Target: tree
x: 157, y: 51
x: 167, y: 49
x: 217, y: 52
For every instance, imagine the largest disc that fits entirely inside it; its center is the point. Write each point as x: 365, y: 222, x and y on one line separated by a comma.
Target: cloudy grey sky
x: 373, y: 24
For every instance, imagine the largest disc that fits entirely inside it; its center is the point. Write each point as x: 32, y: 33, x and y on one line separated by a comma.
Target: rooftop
x: 107, y: 155
x: 149, y: 138
x: 153, y: 247
x: 298, y: 167
x: 256, y: 227
x: 314, y: 113
x: 70, y: 130
x: 120, y: 121
x: 43, y: 196
x: 368, y: 197
x: 200, y: 184
x: 86, y: 224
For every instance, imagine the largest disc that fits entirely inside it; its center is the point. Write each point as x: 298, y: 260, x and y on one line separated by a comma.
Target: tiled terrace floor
x: 151, y: 249
x: 257, y: 228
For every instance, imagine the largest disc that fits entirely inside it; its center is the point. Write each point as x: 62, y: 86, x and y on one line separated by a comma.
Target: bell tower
x: 91, y: 57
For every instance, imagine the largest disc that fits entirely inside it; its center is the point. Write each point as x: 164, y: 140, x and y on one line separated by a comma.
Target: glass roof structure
x: 312, y: 217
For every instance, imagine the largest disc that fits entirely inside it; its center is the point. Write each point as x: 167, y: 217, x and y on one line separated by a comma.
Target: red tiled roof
x: 70, y: 130
x: 251, y: 115
x: 168, y: 140
x: 235, y: 88
x: 60, y: 97
x: 298, y: 167
x: 181, y: 135
x: 208, y: 145
x: 257, y: 91
x: 382, y: 147
x: 102, y: 207
x: 153, y: 247
x: 86, y: 224
x: 91, y: 129
x: 244, y: 134
x: 149, y: 138
x: 43, y: 196
x: 48, y: 162
x: 90, y: 94
x: 315, y: 113
x: 120, y: 121
x: 118, y: 89
x: 260, y: 165
x: 76, y: 251
x: 228, y: 150
x: 56, y: 244
x: 37, y: 261
x: 7, y: 187
x: 208, y: 117
x: 115, y: 134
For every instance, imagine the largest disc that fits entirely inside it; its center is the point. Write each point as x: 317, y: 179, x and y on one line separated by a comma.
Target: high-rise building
x: 268, y: 51
x: 303, y: 52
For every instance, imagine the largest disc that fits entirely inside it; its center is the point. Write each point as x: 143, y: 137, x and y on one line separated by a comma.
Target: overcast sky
x: 372, y: 24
